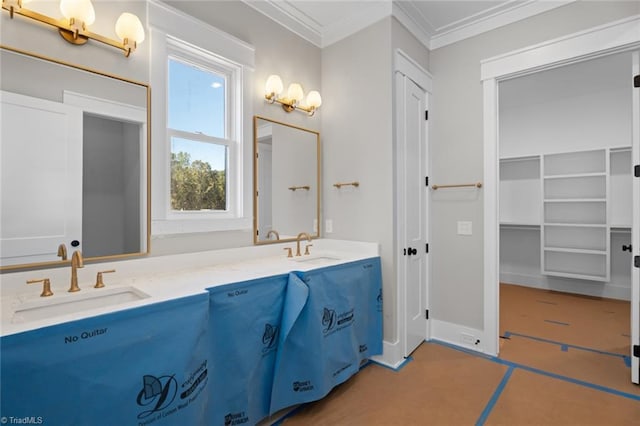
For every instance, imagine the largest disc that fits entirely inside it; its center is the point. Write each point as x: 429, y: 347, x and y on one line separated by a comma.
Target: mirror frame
x: 147, y: 88
x: 255, y: 179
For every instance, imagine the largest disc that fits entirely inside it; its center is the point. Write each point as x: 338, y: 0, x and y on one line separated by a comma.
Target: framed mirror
x: 74, y: 163
x: 286, y: 181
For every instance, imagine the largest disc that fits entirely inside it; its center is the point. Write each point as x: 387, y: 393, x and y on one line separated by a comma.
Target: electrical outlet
x: 464, y: 228
x: 467, y: 339
x: 328, y: 226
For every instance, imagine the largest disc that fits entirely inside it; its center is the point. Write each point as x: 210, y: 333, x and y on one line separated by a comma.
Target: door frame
x: 617, y: 36
x: 405, y: 65
x: 635, y: 226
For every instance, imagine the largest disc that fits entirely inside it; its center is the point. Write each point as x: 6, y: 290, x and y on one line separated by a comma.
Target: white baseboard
x: 391, y: 355
x: 568, y: 285
x: 462, y: 336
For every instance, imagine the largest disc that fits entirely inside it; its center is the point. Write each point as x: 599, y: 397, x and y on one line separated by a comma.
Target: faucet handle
x: 46, y: 287
x: 289, y: 254
x: 99, y: 282
x: 306, y: 249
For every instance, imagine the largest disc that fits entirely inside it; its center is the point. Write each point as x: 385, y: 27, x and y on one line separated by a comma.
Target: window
x: 197, y: 129
x: 203, y: 150
x: 201, y: 109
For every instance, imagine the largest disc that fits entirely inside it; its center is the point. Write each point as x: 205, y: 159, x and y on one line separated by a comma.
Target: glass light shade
x: 129, y: 26
x: 273, y: 85
x: 81, y: 10
x: 295, y: 92
x: 314, y: 99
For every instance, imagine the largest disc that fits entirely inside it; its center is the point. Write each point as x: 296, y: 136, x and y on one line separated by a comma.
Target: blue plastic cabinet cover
x: 328, y: 333
x: 142, y: 366
x: 244, y: 325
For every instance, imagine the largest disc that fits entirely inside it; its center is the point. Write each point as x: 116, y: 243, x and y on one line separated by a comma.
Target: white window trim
x: 166, y: 25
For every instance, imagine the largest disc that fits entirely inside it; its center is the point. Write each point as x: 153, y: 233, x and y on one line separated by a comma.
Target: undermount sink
x: 315, y: 259
x: 73, y: 303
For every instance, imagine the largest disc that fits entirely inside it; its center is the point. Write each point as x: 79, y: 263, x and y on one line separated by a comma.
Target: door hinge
x: 636, y: 81
x: 426, y: 247
x: 636, y: 170
x: 426, y: 181
x: 636, y: 351
x: 636, y: 261
x: 426, y: 314
x: 426, y: 115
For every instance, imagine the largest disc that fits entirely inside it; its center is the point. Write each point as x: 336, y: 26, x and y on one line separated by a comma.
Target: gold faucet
x: 300, y: 235
x: 273, y: 231
x: 76, y: 262
x: 62, y: 251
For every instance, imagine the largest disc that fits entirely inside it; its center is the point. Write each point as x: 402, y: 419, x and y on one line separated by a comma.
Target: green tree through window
x: 195, y: 186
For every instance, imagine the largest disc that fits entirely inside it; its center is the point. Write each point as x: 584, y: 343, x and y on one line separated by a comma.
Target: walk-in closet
x: 565, y: 139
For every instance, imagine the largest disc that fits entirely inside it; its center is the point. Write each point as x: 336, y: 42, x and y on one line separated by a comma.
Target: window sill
x: 194, y: 226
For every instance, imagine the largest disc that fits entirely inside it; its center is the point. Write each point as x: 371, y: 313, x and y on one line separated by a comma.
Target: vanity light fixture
x: 78, y: 15
x: 295, y: 95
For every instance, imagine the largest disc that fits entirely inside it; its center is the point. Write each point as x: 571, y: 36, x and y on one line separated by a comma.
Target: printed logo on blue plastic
x: 328, y: 319
x: 235, y: 418
x: 302, y: 386
x: 269, y: 337
x: 157, y: 393
x: 332, y: 321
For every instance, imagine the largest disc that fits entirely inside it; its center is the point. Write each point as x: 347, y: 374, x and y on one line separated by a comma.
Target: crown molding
x: 491, y: 19
x: 291, y: 18
x: 286, y: 14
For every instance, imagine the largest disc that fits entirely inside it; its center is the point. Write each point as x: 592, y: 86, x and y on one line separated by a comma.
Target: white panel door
x: 411, y: 151
x: 41, y: 178
x: 635, y: 228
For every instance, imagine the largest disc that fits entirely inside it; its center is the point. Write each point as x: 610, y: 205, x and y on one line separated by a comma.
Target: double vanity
x: 220, y: 337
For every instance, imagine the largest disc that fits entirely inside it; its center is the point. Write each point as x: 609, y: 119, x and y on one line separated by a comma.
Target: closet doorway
x: 568, y: 204
x: 565, y: 197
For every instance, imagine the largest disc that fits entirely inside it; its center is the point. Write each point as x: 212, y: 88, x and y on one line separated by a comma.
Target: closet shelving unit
x: 575, y: 201
x: 575, y: 230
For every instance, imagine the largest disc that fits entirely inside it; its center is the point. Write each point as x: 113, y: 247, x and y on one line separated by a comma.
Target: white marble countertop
x: 161, y: 278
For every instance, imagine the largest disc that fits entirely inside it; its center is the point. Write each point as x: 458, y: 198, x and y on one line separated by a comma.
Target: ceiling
x: 435, y: 23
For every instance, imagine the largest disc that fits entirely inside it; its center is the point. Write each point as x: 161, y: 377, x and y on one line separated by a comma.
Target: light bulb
x: 273, y: 85
x: 129, y: 27
x: 314, y: 99
x: 295, y: 92
x: 80, y: 10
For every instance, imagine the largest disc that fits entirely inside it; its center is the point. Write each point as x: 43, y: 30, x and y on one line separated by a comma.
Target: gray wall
x: 457, y: 147
x: 357, y: 146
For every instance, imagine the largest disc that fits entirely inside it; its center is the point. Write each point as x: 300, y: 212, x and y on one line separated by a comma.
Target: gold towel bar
x: 340, y: 185
x: 477, y: 185
x: 305, y: 187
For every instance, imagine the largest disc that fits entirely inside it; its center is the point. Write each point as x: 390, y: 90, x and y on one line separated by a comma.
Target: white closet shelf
x: 577, y: 251
x: 621, y: 229
x: 575, y: 200
x: 577, y: 225
x: 520, y: 226
x: 575, y: 175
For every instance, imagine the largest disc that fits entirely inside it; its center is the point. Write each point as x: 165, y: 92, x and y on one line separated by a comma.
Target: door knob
x: 627, y: 248
x: 412, y: 251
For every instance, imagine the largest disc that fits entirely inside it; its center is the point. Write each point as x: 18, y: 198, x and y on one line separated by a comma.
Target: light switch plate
x: 464, y: 228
